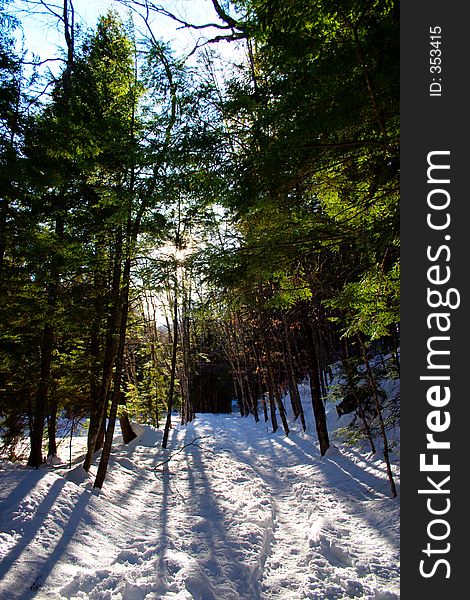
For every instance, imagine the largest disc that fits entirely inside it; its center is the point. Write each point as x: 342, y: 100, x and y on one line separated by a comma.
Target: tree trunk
x: 238, y: 393
x: 187, y: 412
x: 241, y: 384
x: 259, y: 389
x: 47, y: 348
x: 296, y: 402
x: 108, y: 441
x: 253, y: 399
x: 4, y: 210
x: 101, y: 432
x: 282, y: 410
x: 128, y: 434
x: 153, y: 353
x: 111, y: 345
x: 39, y: 410
x: 265, y: 409
x: 360, y: 406
x: 273, y: 388
x: 52, y: 429
x: 317, y: 402
x: 381, y: 421
x: 171, y: 388
x: 117, y: 379
x: 272, y: 406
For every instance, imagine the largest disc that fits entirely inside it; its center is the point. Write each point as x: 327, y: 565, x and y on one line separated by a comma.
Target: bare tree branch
x: 226, y: 17
x: 219, y: 38
x: 49, y: 7
x: 147, y: 7
x: 192, y: 443
x: 38, y: 63
x: 40, y: 94
x: 150, y: 6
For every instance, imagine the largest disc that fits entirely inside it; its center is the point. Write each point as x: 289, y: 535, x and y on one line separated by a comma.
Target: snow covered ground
x: 238, y: 514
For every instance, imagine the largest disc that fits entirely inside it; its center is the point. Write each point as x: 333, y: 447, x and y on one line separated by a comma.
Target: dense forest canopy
x: 181, y: 229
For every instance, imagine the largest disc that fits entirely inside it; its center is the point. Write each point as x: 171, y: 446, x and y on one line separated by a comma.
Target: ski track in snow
x: 240, y: 514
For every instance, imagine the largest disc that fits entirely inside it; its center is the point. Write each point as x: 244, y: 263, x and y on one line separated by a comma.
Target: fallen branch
x: 192, y: 443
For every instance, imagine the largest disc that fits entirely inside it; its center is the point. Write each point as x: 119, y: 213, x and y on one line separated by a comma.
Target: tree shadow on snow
x: 338, y: 471
x: 61, y: 546
x: 27, y: 577
x: 215, y: 548
x: 30, y: 478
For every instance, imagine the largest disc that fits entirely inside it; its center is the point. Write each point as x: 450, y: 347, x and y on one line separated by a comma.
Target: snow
x: 239, y: 513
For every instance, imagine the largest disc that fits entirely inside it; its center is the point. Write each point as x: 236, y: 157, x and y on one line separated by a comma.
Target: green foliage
x: 369, y: 306
x: 147, y: 376
x: 384, y: 373
x: 314, y: 182
x: 284, y: 178
x: 74, y: 201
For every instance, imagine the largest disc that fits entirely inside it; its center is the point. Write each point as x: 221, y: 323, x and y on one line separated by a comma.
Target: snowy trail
x: 325, y: 526
x: 237, y: 515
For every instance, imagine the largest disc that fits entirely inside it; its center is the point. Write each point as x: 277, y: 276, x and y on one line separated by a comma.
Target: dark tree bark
x: 360, y: 405
x: 47, y: 347
x: 272, y: 406
x: 378, y: 406
x: 128, y: 434
x: 296, y: 402
x: 101, y: 433
x: 52, y: 429
x: 111, y: 344
x: 274, y: 388
x: 118, y: 371
x: 315, y: 389
x: 272, y: 382
x: 39, y: 410
x: 187, y: 413
x: 171, y: 389
x: 265, y: 409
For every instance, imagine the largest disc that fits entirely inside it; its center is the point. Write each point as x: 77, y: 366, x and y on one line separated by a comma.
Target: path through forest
x: 238, y: 514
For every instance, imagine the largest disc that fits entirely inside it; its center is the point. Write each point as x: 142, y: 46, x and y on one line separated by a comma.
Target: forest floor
x: 238, y: 514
